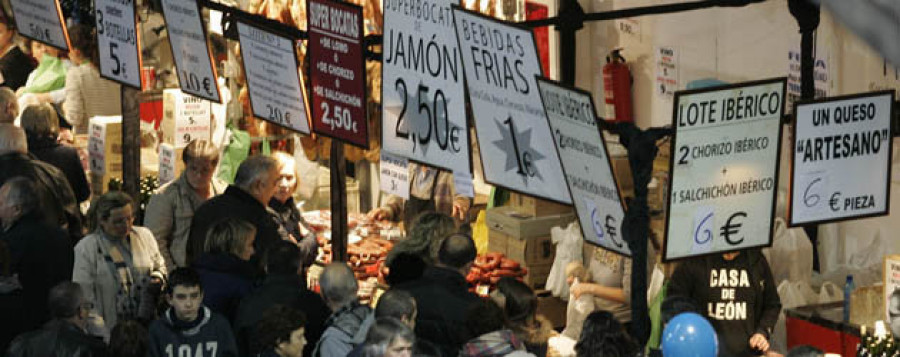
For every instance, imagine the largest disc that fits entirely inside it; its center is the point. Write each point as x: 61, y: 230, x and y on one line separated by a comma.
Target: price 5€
x: 338, y: 118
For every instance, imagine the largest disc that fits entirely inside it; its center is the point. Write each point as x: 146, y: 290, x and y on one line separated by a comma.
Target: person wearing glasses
x: 65, y: 334
x: 172, y: 207
x: 118, y: 264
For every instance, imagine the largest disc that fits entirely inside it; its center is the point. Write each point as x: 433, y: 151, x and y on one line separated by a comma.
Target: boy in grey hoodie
x: 188, y: 327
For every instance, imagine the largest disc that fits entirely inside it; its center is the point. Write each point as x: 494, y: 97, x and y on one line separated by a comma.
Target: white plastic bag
x: 793, y: 294
x: 791, y: 255
x: 657, y: 278
x: 569, y: 248
x: 830, y: 293
x: 576, y: 312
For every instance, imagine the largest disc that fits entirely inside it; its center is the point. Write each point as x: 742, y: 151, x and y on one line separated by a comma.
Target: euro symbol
x: 611, y: 230
x: 730, y: 229
x: 833, y: 202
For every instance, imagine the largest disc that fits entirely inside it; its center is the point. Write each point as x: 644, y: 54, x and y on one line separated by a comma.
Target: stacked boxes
x: 525, y: 239
x: 104, y: 151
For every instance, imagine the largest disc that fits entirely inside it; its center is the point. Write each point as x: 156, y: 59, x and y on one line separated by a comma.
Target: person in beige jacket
x: 118, y: 264
x: 172, y: 207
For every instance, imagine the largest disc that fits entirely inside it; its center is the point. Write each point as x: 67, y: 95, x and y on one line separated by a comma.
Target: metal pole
x: 338, y: 202
x: 131, y: 145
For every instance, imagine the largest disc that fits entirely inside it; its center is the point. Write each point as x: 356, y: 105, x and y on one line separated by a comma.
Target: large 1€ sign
x: 193, y: 61
x: 584, y: 158
x: 273, y: 82
x: 842, y: 158
x: 500, y: 62
x: 724, y: 166
x: 118, y: 41
x: 424, y: 113
x: 338, y: 78
x: 42, y: 21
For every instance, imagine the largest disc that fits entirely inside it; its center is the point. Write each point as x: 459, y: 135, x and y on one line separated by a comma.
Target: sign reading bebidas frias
x: 500, y: 62
x: 724, y: 177
x: 842, y: 158
x: 118, y: 41
x: 424, y: 113
x: 584, y: 158
x: 338, y: 76
x: 275, y: 86
x: 42, y: 21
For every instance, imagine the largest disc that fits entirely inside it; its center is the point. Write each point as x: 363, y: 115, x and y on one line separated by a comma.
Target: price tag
x: 96, y: 148
x: 423, y: 117
x: 338, y: 78
x: 42, y: 21
x: 842, y: 158
x: 118, y: 41
x: 724, y: 178
x: 166, y: 163
x: 585, y: 161
x: 394, y: 175
x: 276, y: 88
x: 193, y: 60
x: 500, y: 62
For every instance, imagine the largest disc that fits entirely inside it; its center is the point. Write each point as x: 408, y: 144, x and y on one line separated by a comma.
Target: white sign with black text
x: 586, y: 164
x: 42, y: 21
x: 842, y: 158
x: 118, y: 41
x: 724, y: 177
x: 274, y: 84
x: 500, y: 62
x: 166, y: 163
x: 424, y: 118
x: 196, y: 73
x: 394, y: 175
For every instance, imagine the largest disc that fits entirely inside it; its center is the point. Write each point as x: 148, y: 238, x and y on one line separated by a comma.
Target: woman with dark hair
x: 520, y: 306
x: 41, y: 125
x: 603, y: 336
x: 15, y: 65
x: 423, y: 240
x: 87, y: 94
x: 388, y: 337
x: 280, y: 332
x: 225, y: 267
x: 487, y: 323
x: 128, y: 339
x: 118, y: 263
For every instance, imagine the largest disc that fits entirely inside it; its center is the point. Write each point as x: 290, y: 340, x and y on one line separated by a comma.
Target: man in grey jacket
x: 350, y: 321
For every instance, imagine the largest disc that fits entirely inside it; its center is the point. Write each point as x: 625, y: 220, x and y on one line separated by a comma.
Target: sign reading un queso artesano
x: 724, y: 168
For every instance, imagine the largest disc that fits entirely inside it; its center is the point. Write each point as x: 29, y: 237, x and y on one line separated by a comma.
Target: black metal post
x: 338, y: 202
x: 131, y: 145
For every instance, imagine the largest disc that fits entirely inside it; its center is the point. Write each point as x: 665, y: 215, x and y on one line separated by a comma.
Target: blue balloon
x: 689, y: 335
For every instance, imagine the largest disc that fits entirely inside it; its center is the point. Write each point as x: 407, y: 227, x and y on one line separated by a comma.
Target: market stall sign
x: 724, y: 168
x: 166, y: 163
x: 42, y: 21
x: 585, y: 161
x: 193, y: 60
x: 424, y: 118
x: 118, y: 41
x: 500, y: 62
x: 891, y: 288
x: 842, y: 158
x: 273, y: 82
x: 338, y: 78
x: 394, y: 175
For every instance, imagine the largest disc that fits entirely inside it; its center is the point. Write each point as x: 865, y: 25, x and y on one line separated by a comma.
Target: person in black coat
x: 254, y: 185
x: 443, y: 296
x: 287, y: 214
x: 42, y: 129
x: 63, y: 336
x: 224, y: 266
x: 283, y: 285
x: 55, y: 196
x: 15, y: 65
x: 40, y: 253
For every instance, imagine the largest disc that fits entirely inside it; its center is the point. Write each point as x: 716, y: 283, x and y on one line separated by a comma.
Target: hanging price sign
x: 725, y: 154
x: 424, y: 118
x: 500, y: 62
x: 193, y: 61
x: 42, y: 21
x: 118, y: 41
x: 276, y: 89
x: 338, y: 77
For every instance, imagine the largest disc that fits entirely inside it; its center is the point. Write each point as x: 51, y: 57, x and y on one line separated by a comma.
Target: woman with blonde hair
x: 41, y: 126
x: 224, y: 266
x: 287, y: 214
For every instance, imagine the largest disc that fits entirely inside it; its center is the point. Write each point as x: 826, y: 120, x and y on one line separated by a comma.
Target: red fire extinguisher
x: 617, y: 87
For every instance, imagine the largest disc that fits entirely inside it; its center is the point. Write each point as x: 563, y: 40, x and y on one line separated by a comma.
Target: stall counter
x: 821, y: 326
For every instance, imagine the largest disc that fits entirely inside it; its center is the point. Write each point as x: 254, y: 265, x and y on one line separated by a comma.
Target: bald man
x: 9, y: 106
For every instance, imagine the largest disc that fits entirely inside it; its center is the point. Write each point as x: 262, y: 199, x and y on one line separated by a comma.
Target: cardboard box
x: 536, y: 207
x: 622, y: 170
x: 528, y: 252
x: 105, y: 144
x: 509, y: 221
x: 537, y: 276
x: 99, y: 182
x: 185, y: 118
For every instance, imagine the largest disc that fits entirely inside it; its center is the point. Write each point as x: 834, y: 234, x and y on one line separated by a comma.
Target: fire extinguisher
x: 617, y: 87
